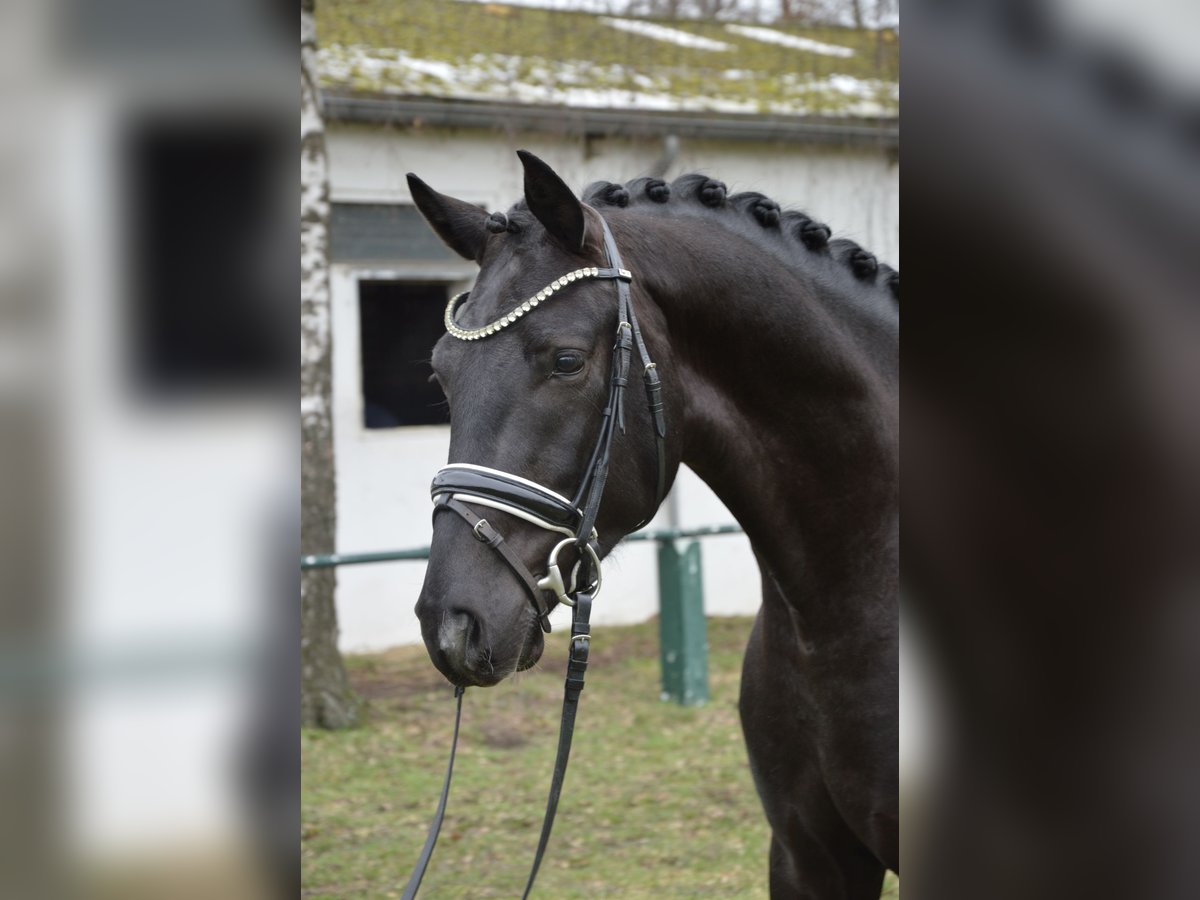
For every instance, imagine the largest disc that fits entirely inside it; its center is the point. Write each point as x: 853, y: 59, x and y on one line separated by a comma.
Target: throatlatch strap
x: 414, y: 881
x: 576, y: 669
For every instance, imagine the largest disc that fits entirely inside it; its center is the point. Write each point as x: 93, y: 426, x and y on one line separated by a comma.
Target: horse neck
x: 787, y: 387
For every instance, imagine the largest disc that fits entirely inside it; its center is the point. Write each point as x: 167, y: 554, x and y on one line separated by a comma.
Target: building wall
x: 856, y: 191
x: 383, y: 475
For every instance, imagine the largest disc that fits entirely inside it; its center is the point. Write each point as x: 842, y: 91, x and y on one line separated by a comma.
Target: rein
x: 459, y: 486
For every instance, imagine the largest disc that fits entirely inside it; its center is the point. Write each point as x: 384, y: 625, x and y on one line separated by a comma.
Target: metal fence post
x: 683, y: 634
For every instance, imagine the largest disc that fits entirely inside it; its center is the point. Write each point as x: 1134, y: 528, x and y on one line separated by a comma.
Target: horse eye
x: 568, y: 362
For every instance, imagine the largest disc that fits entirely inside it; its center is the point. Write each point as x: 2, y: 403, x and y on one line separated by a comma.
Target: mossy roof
x: 494, y: 51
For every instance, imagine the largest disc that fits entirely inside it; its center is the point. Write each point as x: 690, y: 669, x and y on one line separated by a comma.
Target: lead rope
x: 435, y: 827
x: 577, y: 660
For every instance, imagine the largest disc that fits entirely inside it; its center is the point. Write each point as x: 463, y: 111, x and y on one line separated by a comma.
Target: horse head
x: 527, y: 366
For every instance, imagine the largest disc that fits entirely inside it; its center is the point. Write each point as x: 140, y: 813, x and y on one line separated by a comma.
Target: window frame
x: 452, y: 276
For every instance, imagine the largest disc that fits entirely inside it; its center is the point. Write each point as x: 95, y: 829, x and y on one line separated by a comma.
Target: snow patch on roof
x: 663, y: 33
x: 771, y: 36
x: 579, y: 83
x: 434, y: 67
x: 590, y: 6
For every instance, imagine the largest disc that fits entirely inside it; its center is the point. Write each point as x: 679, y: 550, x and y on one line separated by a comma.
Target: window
x: 205, y: 237
x: 400, y: 321
x: 383, y: 232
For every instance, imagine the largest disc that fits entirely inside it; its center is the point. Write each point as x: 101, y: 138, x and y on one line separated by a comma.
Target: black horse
x: 778, y: 354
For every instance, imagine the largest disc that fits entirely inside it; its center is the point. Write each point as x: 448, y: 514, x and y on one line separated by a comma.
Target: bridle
x: 457, y: 485
x: 460, y: 486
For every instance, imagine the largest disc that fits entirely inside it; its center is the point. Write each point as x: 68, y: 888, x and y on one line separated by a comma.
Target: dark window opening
x: 210, y: 309
x: 400, y: 322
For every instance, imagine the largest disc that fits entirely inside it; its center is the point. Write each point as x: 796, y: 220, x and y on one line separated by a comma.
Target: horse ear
x: 553, y: 203
x: 460, y: 224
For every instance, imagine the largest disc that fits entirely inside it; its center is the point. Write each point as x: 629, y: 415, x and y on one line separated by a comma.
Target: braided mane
x: 708, y: 194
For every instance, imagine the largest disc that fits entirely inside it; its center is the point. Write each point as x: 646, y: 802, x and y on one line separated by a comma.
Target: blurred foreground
x: 147, y: 494
x: 1052, y: 448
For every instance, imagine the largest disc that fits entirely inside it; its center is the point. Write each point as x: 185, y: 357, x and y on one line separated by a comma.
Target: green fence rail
x: 683, y: 634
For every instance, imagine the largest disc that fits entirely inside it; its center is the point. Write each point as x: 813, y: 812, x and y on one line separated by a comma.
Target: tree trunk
x: 326, y: 699
x: 857, y: 10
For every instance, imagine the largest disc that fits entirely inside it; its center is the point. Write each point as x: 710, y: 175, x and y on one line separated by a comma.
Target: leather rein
x: 460, y: 486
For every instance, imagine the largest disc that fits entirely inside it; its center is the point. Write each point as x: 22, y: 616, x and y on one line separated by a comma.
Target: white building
x: 391, y: 276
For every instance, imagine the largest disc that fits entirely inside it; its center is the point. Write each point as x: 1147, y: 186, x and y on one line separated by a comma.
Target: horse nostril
x: 458, y: 632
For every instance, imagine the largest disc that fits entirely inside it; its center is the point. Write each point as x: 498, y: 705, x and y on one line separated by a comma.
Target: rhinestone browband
x: 474, y: 334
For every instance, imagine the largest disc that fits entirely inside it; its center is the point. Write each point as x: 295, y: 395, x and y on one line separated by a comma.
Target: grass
x: 658, y: 800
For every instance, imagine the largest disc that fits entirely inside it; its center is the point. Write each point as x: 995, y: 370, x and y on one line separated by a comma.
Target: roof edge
x: 350, y: 106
